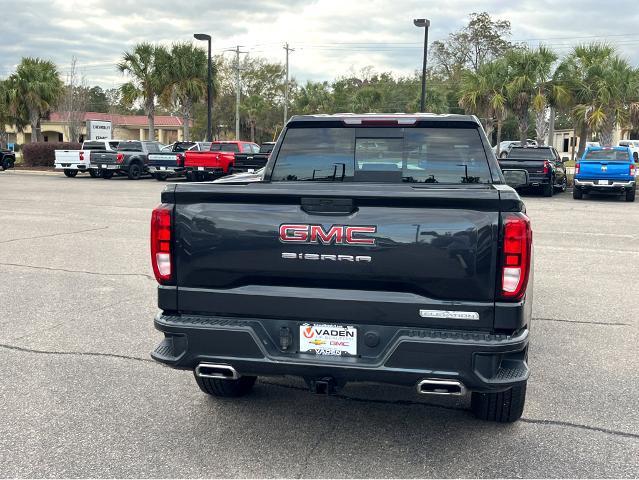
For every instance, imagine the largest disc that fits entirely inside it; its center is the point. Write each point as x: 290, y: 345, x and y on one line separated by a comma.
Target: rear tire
x: 577, y: 194
x: 135, y: 171
x: 549, y: 189
x: 95, y: 173
x: 563, y: 186
x: 226, y: 388
x: 503, y: 407
x: 630, y: 195
x: 70, y: 173
x: 107, y: 174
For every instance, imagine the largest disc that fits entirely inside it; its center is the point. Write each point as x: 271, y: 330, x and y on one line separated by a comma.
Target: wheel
x: 549, y: 189
x: 107, y: 174
x: 70, y: 173
x: 95, y: 173
x: 577, y: 193
x: 7, y: 163
x: 630, y: 195
x: 503, y: 407
x: 563, y: 186
x: 503, y: 154
x: 135, y: 171
x: 188, y: 176
x: 160, y: 177
x: 226, y: 388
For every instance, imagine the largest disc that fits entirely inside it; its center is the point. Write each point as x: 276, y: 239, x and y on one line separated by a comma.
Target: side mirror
x: 516, y: 178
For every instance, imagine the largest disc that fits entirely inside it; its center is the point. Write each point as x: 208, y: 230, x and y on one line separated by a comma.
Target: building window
x: 565, y: 149
x: 60, y: 137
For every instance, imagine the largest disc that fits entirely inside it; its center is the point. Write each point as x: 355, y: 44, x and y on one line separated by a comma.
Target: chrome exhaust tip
x: 214, y: 370
x: 441, y: 387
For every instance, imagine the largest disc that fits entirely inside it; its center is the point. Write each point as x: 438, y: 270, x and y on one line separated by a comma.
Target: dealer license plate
x: 162, y: 168
x: 200, y: 168
x: 335, y: 340
x: 251, y: 170
x: 603, y: 182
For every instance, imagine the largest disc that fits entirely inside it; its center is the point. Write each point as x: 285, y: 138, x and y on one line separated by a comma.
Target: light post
x: 209, y: 89
x: 423, y: 22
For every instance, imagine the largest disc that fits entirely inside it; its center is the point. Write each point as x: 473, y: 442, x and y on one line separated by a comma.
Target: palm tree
x: 32, y: 91
x: 254, y: 106
x: 144, y: 66
x: 528, y: 74
x: 577, y: 76
x: 185, y: 76
x: 484, y: 94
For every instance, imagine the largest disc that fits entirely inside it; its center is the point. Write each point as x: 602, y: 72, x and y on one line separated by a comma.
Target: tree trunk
x: 522, y: 123
x: 499, y: 125
x: 584, y: 135
x: 252, y: 122
x: 185, y: 126
x: 606, y: 130
x: 34, y: 120
x: 490, y: 126
x: 541, y: 127
x: 150, y: 113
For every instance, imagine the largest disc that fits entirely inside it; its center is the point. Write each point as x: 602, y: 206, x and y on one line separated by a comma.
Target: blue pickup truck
x: 608, y: 170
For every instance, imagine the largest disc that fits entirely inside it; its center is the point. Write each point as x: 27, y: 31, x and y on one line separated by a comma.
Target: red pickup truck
x: 216, y: 161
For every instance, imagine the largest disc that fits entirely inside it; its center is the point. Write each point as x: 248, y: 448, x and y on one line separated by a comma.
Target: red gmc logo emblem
x: 335, y: 235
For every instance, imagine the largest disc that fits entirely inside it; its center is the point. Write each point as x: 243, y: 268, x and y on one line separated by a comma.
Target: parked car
x: 608, y: 170
x: 74, y: 161
x: 217, y: 161
x: 546, y: 169
x: 131, y: 159
x: 7, y: 159
x: 633, y: 145
x: 407, y: 262
x: 251, y: 162
x: 502, y: 149
x: 169, y: 162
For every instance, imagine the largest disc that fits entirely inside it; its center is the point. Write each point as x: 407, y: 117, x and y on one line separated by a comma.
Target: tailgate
x: 103, y: 158
x: 261, y: 248
x: 162, y: 160
x: 71, y: 157
x: 604, y: 170
x: 533, y: 167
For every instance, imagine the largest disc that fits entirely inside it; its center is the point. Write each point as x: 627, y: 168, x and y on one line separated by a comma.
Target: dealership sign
x: 99, y: 130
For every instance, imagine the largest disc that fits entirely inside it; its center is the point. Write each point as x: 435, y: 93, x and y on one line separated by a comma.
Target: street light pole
x: 288, y: 49
x: 423, y: 22
x: 209, y: 89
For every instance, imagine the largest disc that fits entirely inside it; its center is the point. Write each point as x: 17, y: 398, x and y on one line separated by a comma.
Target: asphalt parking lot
x: 80, y: 397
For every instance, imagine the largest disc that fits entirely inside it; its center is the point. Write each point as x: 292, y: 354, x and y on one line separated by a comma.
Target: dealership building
x: 96, y: 125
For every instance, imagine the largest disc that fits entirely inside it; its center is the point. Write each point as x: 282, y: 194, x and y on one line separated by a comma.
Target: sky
x: 331, y: 38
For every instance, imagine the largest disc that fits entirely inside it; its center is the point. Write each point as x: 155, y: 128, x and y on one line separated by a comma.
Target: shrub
x: 42, y: 154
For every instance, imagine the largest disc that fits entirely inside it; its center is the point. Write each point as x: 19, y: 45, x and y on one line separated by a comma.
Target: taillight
x: 633, y: 170
x: 161, y: 243
x: 515, y: 264
x: 179, y: 158
x: 577, y: 167
x: 119, y: 157
x: 546, y: 167
x: 82, y: 156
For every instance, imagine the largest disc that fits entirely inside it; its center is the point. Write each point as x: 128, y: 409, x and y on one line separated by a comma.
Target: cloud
x: 330, y: 37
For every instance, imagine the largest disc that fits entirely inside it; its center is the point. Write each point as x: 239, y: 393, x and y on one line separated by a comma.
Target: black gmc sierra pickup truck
x: 379, y: 248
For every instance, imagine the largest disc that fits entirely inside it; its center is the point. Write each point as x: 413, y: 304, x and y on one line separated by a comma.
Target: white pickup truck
x: 74, y: 161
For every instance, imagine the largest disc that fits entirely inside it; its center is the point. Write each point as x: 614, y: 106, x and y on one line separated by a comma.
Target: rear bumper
x: 171, y: 170
x: 212, y: 170
x: 105, y: 166
x: 480, y: 361
x: 612, y: 185
x: 72, y: 166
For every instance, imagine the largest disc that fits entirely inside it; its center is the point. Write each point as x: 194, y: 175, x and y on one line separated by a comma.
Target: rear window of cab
x: 608, y: 155
x: 429, y: 155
